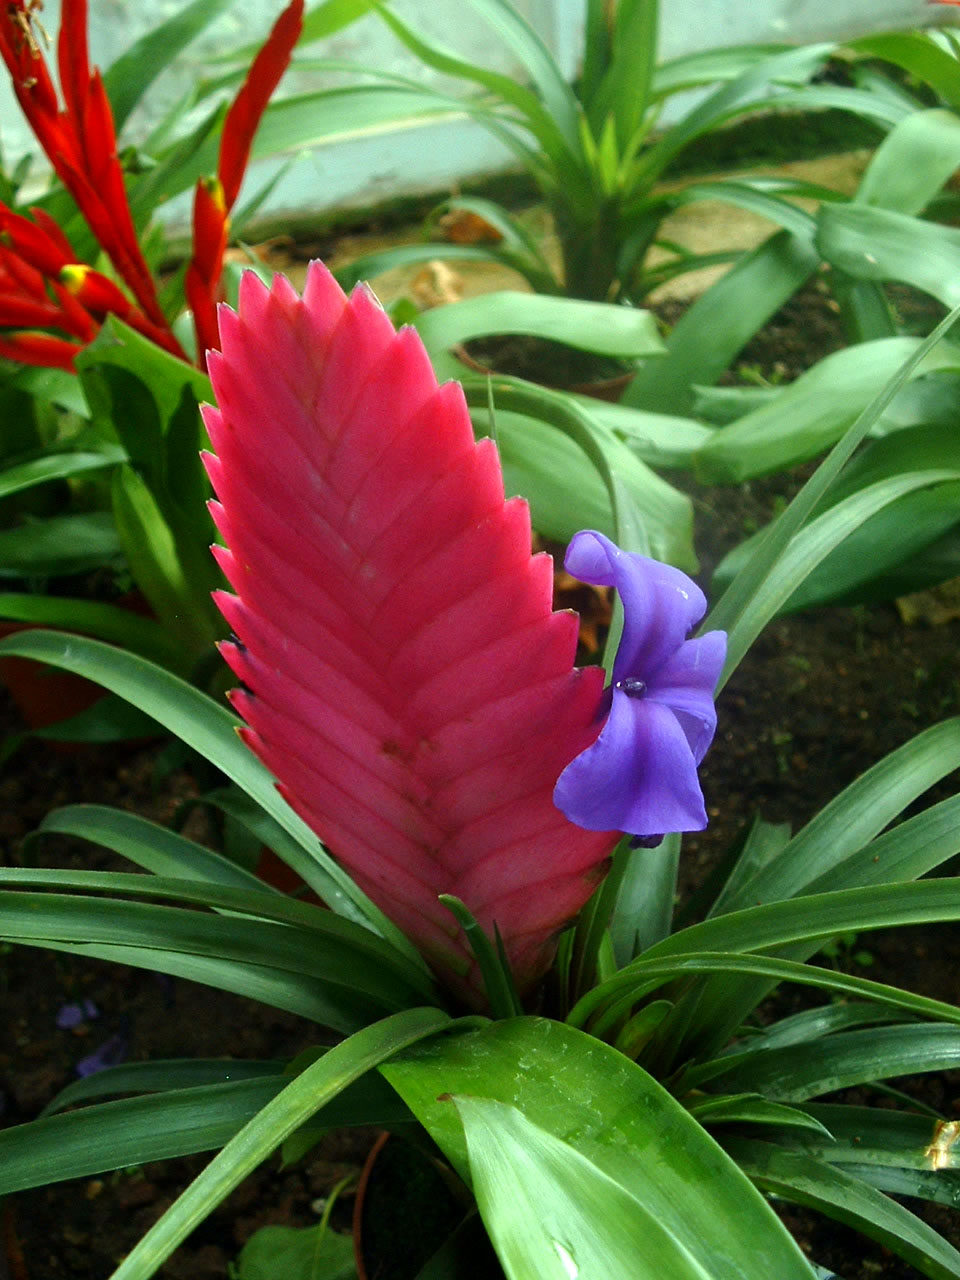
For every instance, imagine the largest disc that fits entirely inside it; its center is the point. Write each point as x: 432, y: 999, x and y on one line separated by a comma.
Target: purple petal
x: 660, y: 604
x: 76, y: 1013
x: 109, y: 1054
x: 685, y: 683
x: 640, y: 776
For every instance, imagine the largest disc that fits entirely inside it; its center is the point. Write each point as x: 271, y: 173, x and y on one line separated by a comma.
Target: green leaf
x: 549, y: 468
x: 751, y: 1108
x: 691, y: 70
x: 894, y: 535
x: 606, y: 1004
x: 153, y: 556
x: 811, y: 546
x: 846, y: 1059
x: 918, y: 53
x: 129, y: 77
x: 55, y: 466
x: 109, y: 622
x: 553, y: 1214
x: 300, y: 1100
x: 838, y: 839
x: 815, y: 1184
x: 59, y: 546
x: 877, y: 244
x: 551, y: 116
x: 159, y: 1076
x: 810, y: 414
x: 525, y: 44
x: 735, y: 611
x: 491, y: 959
x: 659, y: 439
x: 871, y: 1136
x: 149, y: 845
x: 109, y: 719
x: 818, y: 917
x: 163, y: 374
x: 203, y: 1106
x: 788, y: 67
x: 601, y: 327
x: 589, y: 1120
x: 912, y: 162
x: 707, y: 338
x: 623, y: 93
x: 371, y: 265
x: 297, y: 1253
x: 112, y: 1135
x: 336, y: 963
x: 51, y: 386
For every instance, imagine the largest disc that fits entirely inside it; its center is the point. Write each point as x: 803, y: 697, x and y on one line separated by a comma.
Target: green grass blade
x: 300, y: 1100
x: 109, y: 622
x: 112, y: 1135
x: 730, y: 311
x: 809, y: 1182
x: 809, y: 548
x: 149, y: 845
x: 210, y: 729
x: 835, y: 845
x: 128, y: 78
x: 736, y: 612
x: 55, y: 466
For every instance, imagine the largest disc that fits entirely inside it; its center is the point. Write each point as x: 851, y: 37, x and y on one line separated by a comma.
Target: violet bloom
x: 110, y: 1054
x: 76, y: 1014
x: 640, y: 775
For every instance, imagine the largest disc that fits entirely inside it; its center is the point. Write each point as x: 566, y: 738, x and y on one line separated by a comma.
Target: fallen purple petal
x: 109, y: 1054
x: 76, y: 1013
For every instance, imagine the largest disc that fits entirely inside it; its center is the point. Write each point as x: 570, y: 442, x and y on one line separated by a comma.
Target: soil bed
x: 820, y: 698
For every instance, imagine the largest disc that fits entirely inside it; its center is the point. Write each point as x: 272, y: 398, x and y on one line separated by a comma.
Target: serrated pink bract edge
x: 404, y: 676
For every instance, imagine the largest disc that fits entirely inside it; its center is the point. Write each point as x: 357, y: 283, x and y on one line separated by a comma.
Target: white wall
x: 376, y: 167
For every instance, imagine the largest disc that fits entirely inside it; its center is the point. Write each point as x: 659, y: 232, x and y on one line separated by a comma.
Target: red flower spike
x: 243, y: 118
x: 215, y: 197
x: 80, y: 141
x: 34, y: 243
x: 39, y: 349
x: 202, y: 280
x: 75, y: 318
x: 94, y: 291
x: 404, y: 676
x: 73, y: 59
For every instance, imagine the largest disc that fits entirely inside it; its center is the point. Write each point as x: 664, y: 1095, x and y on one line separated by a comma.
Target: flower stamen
x: 632, y: 686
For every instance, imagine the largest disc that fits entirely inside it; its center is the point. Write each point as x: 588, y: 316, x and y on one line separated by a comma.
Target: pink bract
x: 404, y: 675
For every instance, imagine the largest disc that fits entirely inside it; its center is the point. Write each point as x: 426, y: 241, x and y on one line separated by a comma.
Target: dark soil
x: 820, y: 698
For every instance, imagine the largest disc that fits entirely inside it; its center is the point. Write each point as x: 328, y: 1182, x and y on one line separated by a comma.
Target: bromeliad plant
x: 599, y: 149
x: 504, y: 970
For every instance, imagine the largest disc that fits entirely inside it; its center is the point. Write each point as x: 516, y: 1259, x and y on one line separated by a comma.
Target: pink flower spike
x: 404, y: 675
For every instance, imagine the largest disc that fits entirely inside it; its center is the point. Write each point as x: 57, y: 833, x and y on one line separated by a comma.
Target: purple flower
x: 109, y: 1054
x: 76, y: 1014
x: 640, y: 776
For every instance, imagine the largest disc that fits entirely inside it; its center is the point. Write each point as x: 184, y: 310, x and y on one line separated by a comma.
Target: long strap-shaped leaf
x: 403, y: 673
x: 301, y: 1099
x: 210, y: 729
